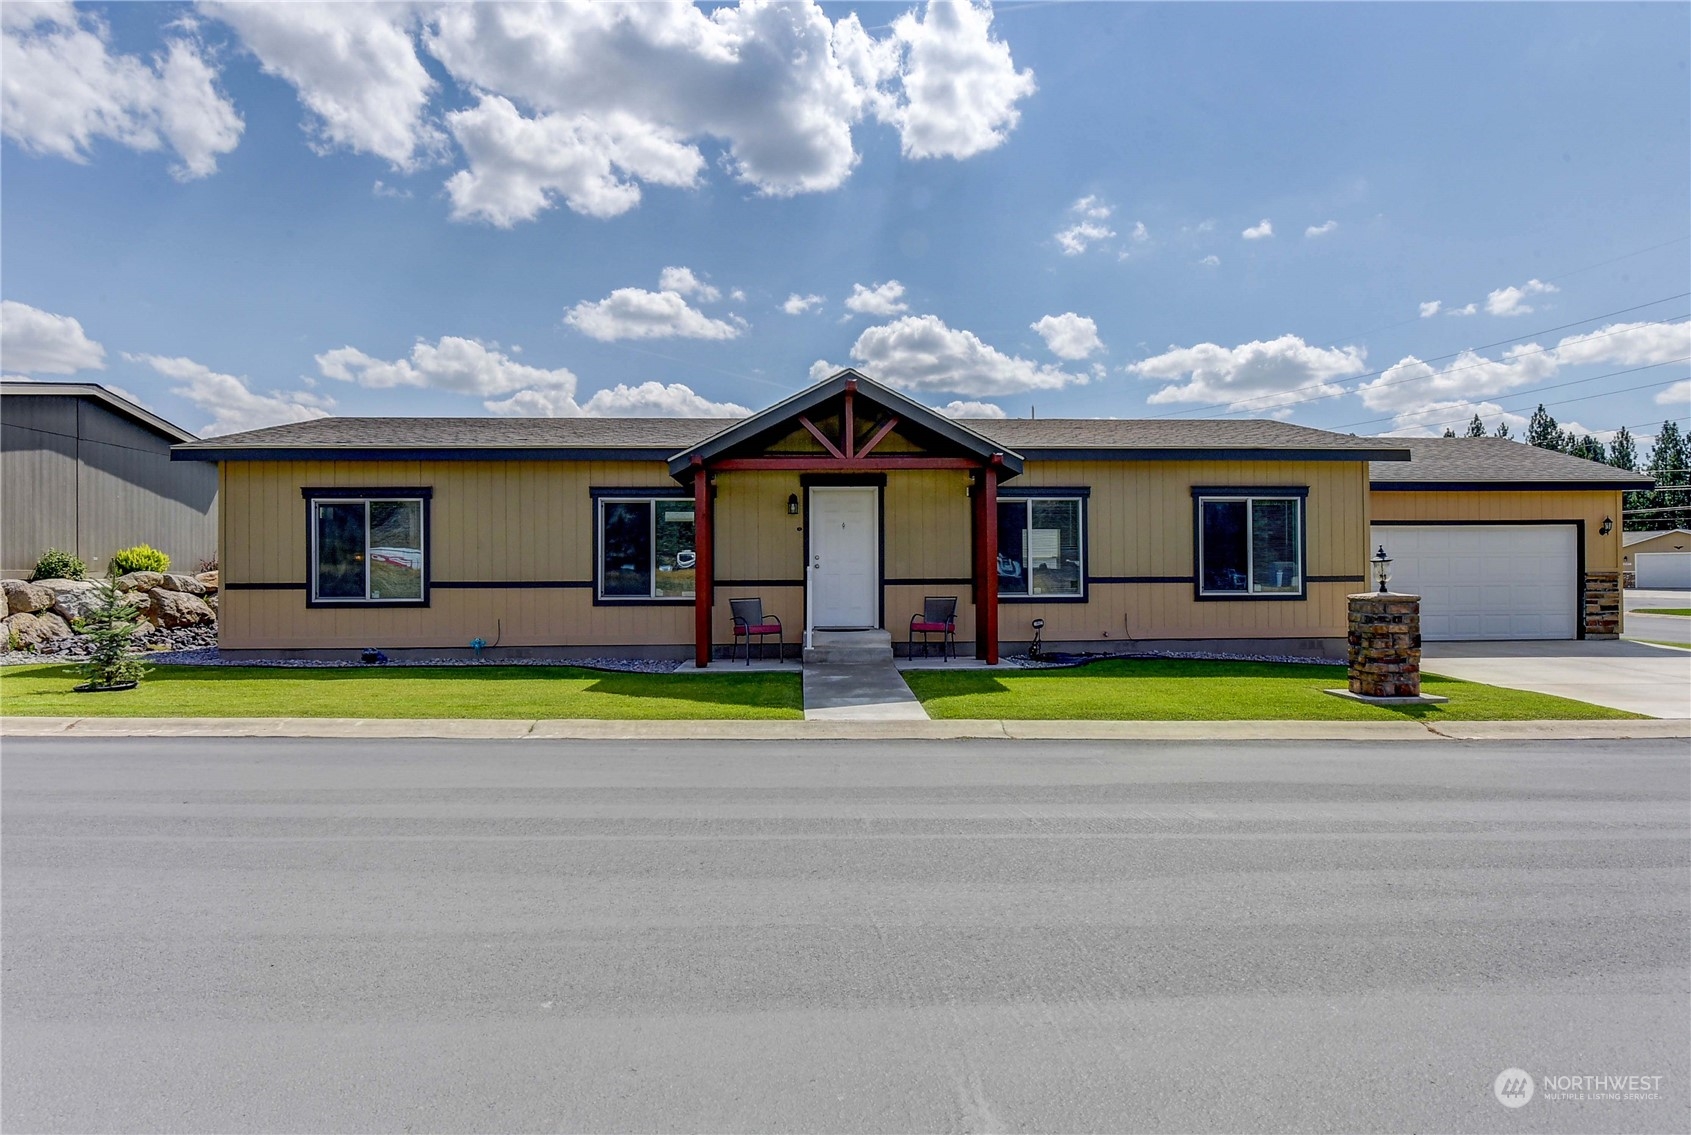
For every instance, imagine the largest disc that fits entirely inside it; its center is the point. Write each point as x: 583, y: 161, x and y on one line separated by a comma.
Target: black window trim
x: 633, y: 494
x: 1082, y: 495
x: 1202, y: 493
x: 312, y: 495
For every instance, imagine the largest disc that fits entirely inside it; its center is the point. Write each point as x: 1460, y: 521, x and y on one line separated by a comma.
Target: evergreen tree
x: 111, y: 625
x: 1476, y: 428
x: 1502, y: 430
x: 1623, y: 451
x: 1448, y: 432
x: 1668, y: 465
x: 1543, y: 432
x: 1589, y: 448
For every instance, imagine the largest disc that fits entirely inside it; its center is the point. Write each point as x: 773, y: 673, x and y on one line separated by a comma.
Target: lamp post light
x: 1038, y: 635
x: 1381, y: 564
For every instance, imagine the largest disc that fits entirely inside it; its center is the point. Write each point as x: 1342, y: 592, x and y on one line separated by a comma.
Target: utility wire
x: 1240, y: 403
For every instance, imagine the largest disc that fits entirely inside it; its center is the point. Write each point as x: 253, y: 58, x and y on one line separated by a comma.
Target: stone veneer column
x: 1385, y: 645
x: 1602, y: 608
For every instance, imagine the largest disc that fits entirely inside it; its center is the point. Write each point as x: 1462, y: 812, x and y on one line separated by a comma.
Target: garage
x: 1487, y: 581
x: 1662, y: 571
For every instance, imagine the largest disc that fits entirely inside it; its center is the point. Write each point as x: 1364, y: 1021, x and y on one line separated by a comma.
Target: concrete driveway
x: 1623, y: 675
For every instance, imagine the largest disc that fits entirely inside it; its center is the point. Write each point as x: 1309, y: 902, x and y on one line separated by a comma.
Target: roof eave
x: 1509, y: 486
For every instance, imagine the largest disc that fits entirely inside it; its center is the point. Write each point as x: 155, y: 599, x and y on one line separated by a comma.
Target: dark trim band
x: 1510, y: 486
x: 960, y: 581
x: 1081, y: 453
x: 511, y: 584
x: 1336, y: 578
x: 759, y: 583
x: 353, y: 493
x: 263, y: 587
x: 1140, y: 579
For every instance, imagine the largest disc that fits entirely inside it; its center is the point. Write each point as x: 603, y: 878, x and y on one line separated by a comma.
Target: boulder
x: 208, y: 580
x: 178, y: 608
x: 186, y: 584
x: 139, y: 581
x: 211, y: 601
x: 23, y: 598
x: 56, y: 586
x: 72, y: 605
x: 32, y: 630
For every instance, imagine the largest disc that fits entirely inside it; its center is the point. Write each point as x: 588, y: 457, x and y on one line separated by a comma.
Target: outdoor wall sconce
x: 792, y: 504
x: 1381, y: 563
x: 1608, y: 526
x: 1038, y: 647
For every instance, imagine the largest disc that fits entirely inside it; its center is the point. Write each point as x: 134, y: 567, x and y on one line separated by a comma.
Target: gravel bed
x: 1068, y: 661
x: 74, y: 650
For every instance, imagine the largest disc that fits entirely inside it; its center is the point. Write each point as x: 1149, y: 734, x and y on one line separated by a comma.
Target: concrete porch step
x: 849, y: 647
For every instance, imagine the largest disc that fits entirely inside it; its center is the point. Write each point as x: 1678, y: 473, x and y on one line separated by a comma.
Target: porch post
x: 986, y: 614
x: 704, y: 568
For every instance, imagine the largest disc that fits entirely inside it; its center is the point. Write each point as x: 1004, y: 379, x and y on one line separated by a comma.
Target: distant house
x: 1659, y: 560
x: 86, y: 471
x: 846, y: 505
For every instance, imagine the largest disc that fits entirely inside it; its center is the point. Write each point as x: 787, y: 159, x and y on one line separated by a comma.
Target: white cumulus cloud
x: 962, y: 409
x: 232, y: 403
x: 354, y: 67
x: 462, y: 366
x: 919, y: 352
x: 38, y: 342
x: 1069, y: 336
x: 1431, y: 308
x: 64, y: 89
x: 634, y: 313
x: 683, y: 282
x: 1512, y: 300
x: 656, y: 400
x: 1679, y: 394
x: 799, y: 305
x: 1259, y: 231
x: 881, y: 299
x: 1210, y: 261
x: 1266, y: 374
x: 960, y: 86
x: 1086, y: 226
x: 1322, y: 229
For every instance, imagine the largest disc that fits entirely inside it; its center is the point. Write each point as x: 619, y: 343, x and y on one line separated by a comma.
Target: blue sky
x: 250, y: 214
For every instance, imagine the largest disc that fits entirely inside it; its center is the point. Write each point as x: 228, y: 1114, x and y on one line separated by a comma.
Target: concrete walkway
x: 1213, y: 732
x: 858, y: 691
x: 1616, y: 673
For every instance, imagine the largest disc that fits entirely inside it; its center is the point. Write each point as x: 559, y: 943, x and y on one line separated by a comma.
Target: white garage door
x: 1503, y: 581
x: 1663, y: 569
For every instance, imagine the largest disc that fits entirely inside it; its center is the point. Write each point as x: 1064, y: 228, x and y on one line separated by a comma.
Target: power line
x: 1541, y: 389
x: 1237, y: 406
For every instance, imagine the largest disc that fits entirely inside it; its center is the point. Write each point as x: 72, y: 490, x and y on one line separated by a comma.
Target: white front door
x: 845, y: 558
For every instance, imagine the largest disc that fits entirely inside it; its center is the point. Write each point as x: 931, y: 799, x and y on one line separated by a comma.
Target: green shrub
x: 112, y: 659
x: 142, y: 557
x: 55, y: 564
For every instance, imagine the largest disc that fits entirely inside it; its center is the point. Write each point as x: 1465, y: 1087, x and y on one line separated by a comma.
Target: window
x: 1250, y: 545
x: 646, y: 548
x: 1040, y: 543
x: 367, y: 549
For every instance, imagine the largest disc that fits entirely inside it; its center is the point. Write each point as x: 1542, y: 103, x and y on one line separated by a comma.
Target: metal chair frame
x: 936, y: 609
x: 750, y: 622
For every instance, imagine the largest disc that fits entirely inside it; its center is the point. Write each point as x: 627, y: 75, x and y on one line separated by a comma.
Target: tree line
x: 1668, y: 505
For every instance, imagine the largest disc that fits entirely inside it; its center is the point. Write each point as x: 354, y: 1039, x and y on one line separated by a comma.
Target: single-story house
x: 1658, y: 560
x: 841, y: 507
x: 88, y: 471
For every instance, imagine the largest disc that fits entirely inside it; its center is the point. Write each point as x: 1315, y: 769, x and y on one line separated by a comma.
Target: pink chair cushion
x: 931, y: 628
x: 765, y: 628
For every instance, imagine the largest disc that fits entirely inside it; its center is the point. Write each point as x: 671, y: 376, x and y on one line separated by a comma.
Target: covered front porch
x: 843, y: 508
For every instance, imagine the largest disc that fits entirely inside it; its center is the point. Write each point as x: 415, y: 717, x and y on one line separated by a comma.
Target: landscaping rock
x: 139, y: 581
x: 178, y: 608
x: 24, y: 598
x: 57, y: 586
x: 186, y: 584
x: 209, y: 580
x: 73, y: 605
x: 34, y: 630
x: 211, y: 601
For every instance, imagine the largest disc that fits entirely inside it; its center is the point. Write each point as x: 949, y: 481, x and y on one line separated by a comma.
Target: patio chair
x: 939, y: 616
x: 750, y: 622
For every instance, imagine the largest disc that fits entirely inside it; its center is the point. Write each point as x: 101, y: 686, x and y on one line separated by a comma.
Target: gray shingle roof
x: 670, y: 435
x: 1447, y: 461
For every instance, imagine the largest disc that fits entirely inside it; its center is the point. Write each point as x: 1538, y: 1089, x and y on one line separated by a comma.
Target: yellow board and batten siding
x: 533, y: 521
x: 1602, y: 553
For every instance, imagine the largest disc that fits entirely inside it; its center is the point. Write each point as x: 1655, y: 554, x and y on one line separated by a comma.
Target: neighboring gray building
x: 89, y: 472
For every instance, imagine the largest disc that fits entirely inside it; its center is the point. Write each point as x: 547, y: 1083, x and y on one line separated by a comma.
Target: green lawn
x: 1659, y: 642
x: 1182, y: 690
x: 433, y: 691
x: 1660, y: 611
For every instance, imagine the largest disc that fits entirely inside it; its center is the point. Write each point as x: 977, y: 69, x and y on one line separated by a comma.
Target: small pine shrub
x: 55, y: 564
x: 142, y: 557
x: 112, y: 658
x: 209, y: 563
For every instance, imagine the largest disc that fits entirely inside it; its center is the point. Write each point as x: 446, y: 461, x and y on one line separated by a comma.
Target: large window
x: 1040, y: 545
x: 646, y: 548
x: 368, y: 549
x: 1250, y: 545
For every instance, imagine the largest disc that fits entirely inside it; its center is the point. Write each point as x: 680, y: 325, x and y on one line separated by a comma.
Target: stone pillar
x: 1602, y: 608
x: 1385, y: 645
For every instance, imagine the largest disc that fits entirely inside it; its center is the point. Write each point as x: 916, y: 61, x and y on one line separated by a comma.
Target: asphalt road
x: 1658, y: 628
x: 960, y: 936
